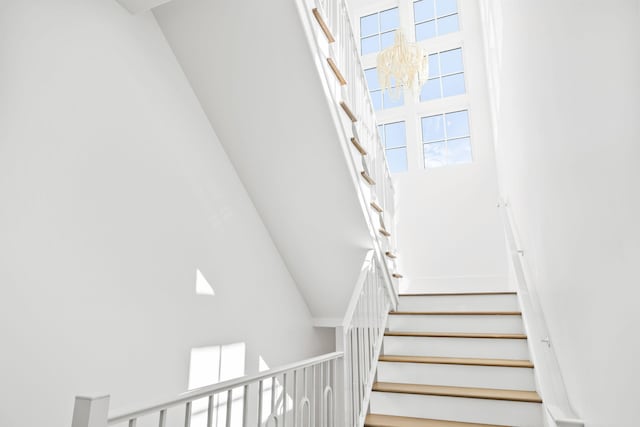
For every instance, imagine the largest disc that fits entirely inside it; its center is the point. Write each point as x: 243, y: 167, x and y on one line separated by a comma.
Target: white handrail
x: 201, y: 392
x: 355, y: 95
x: 552, y: 387
x: 355, y: 297
x: 361, y: 338
x: 313, y: 382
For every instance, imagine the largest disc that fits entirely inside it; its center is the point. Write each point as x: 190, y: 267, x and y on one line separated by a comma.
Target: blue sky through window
x: 446, y: 139
x: 446, y: 75
x: 435, y: 18
x: 394, y: 139
x: 381, y: 99
x: 377, y: 31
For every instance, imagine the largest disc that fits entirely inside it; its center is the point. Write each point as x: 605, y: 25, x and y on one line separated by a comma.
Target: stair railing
x: 332, y: 390
x: 332, y: 41
x: 360, y: 338
x: 299, y: 394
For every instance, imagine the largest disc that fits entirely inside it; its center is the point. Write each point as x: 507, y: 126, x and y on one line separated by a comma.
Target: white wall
x: 114, y: 191
x: 275, y: 121
x: 450, y: 235
x: 566, y: 81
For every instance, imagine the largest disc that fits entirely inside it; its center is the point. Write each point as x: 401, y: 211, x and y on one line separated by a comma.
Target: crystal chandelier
x: 403, y: 65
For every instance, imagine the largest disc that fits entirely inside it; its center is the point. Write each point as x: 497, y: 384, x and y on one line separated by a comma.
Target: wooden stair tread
x: 437, y: 294
x: 507, y: 363
x: 450, y: 391
x: 323, y: 25
x: 378, y: 420
x: 455, y: 335
x: 456, y: 313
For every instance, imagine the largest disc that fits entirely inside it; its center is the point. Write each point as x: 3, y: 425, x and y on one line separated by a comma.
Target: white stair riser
x: 488, y: 348
x: 456, y: 323
x: 508, y: 413
x: 457, y: 375
x: 459, y: 303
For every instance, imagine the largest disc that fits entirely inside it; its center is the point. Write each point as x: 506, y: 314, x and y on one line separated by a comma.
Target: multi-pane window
x: 435, y: 18
x: 446, y: 75
x: 382, y: 99
x: 394, y: 139
x: 446, y: 139
x: 377, y: 31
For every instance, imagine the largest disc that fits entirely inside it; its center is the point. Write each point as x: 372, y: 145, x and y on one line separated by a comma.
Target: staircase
x: 455, y: 360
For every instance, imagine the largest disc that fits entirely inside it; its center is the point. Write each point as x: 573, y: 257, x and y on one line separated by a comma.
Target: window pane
x: 459, y: 151
x: 434, y: 154
x: 397, y: 159
x: 393, y: 100
x: 453, y: 85
x: 426, y: 30
x: 448, y: 25
x: 372, y: 78
x: 369, y: 25
x: 369, y: 45
x: 387, y: 39
x: 446, y: 7
x: 434, y: 65
x: 451, y: 61
x: 432, y: 128
x: 457, y: 124
x: 389, y: 20
x: 423, y: 10
x: 376, y: 98
x: 394, y: 135
x: 430, y: 90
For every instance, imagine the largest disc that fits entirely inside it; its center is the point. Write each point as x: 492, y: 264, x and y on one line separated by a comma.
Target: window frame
x: 446, y: 139
x: 401, y: 100
x: 441, y: 76
x: 381, y: 130
x: 435, y: 20
x: 377, y: 11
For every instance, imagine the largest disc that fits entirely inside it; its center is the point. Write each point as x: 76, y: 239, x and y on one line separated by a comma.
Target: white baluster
x: 187, y: 415
x: 229, y: 407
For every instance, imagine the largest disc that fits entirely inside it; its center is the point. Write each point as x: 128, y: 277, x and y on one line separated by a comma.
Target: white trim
x: 326, y: 322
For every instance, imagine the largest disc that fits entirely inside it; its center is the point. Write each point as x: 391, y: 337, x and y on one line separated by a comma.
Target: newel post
x: 341, y: 386
x: 90, y: 411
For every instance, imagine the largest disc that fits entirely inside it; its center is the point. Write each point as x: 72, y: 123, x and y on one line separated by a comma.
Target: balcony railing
x: 327, y: 391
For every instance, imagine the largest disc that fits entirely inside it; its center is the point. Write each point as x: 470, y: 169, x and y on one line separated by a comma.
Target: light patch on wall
x: 203, y: 287
x: 273, y: 388
x: 211, y: 365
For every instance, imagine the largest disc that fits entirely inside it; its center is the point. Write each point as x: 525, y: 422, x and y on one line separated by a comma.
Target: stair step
x: 456, y: 313
x: 448, y: 344
x: 469, y: 392
x: 455, y: 335
x: 459, y: 302
x: 507, y: 363
x: 462, y: 409
x: 463, y: 372
x: 378, y: 420
x: 431, y: 294
x: 467, y: 322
